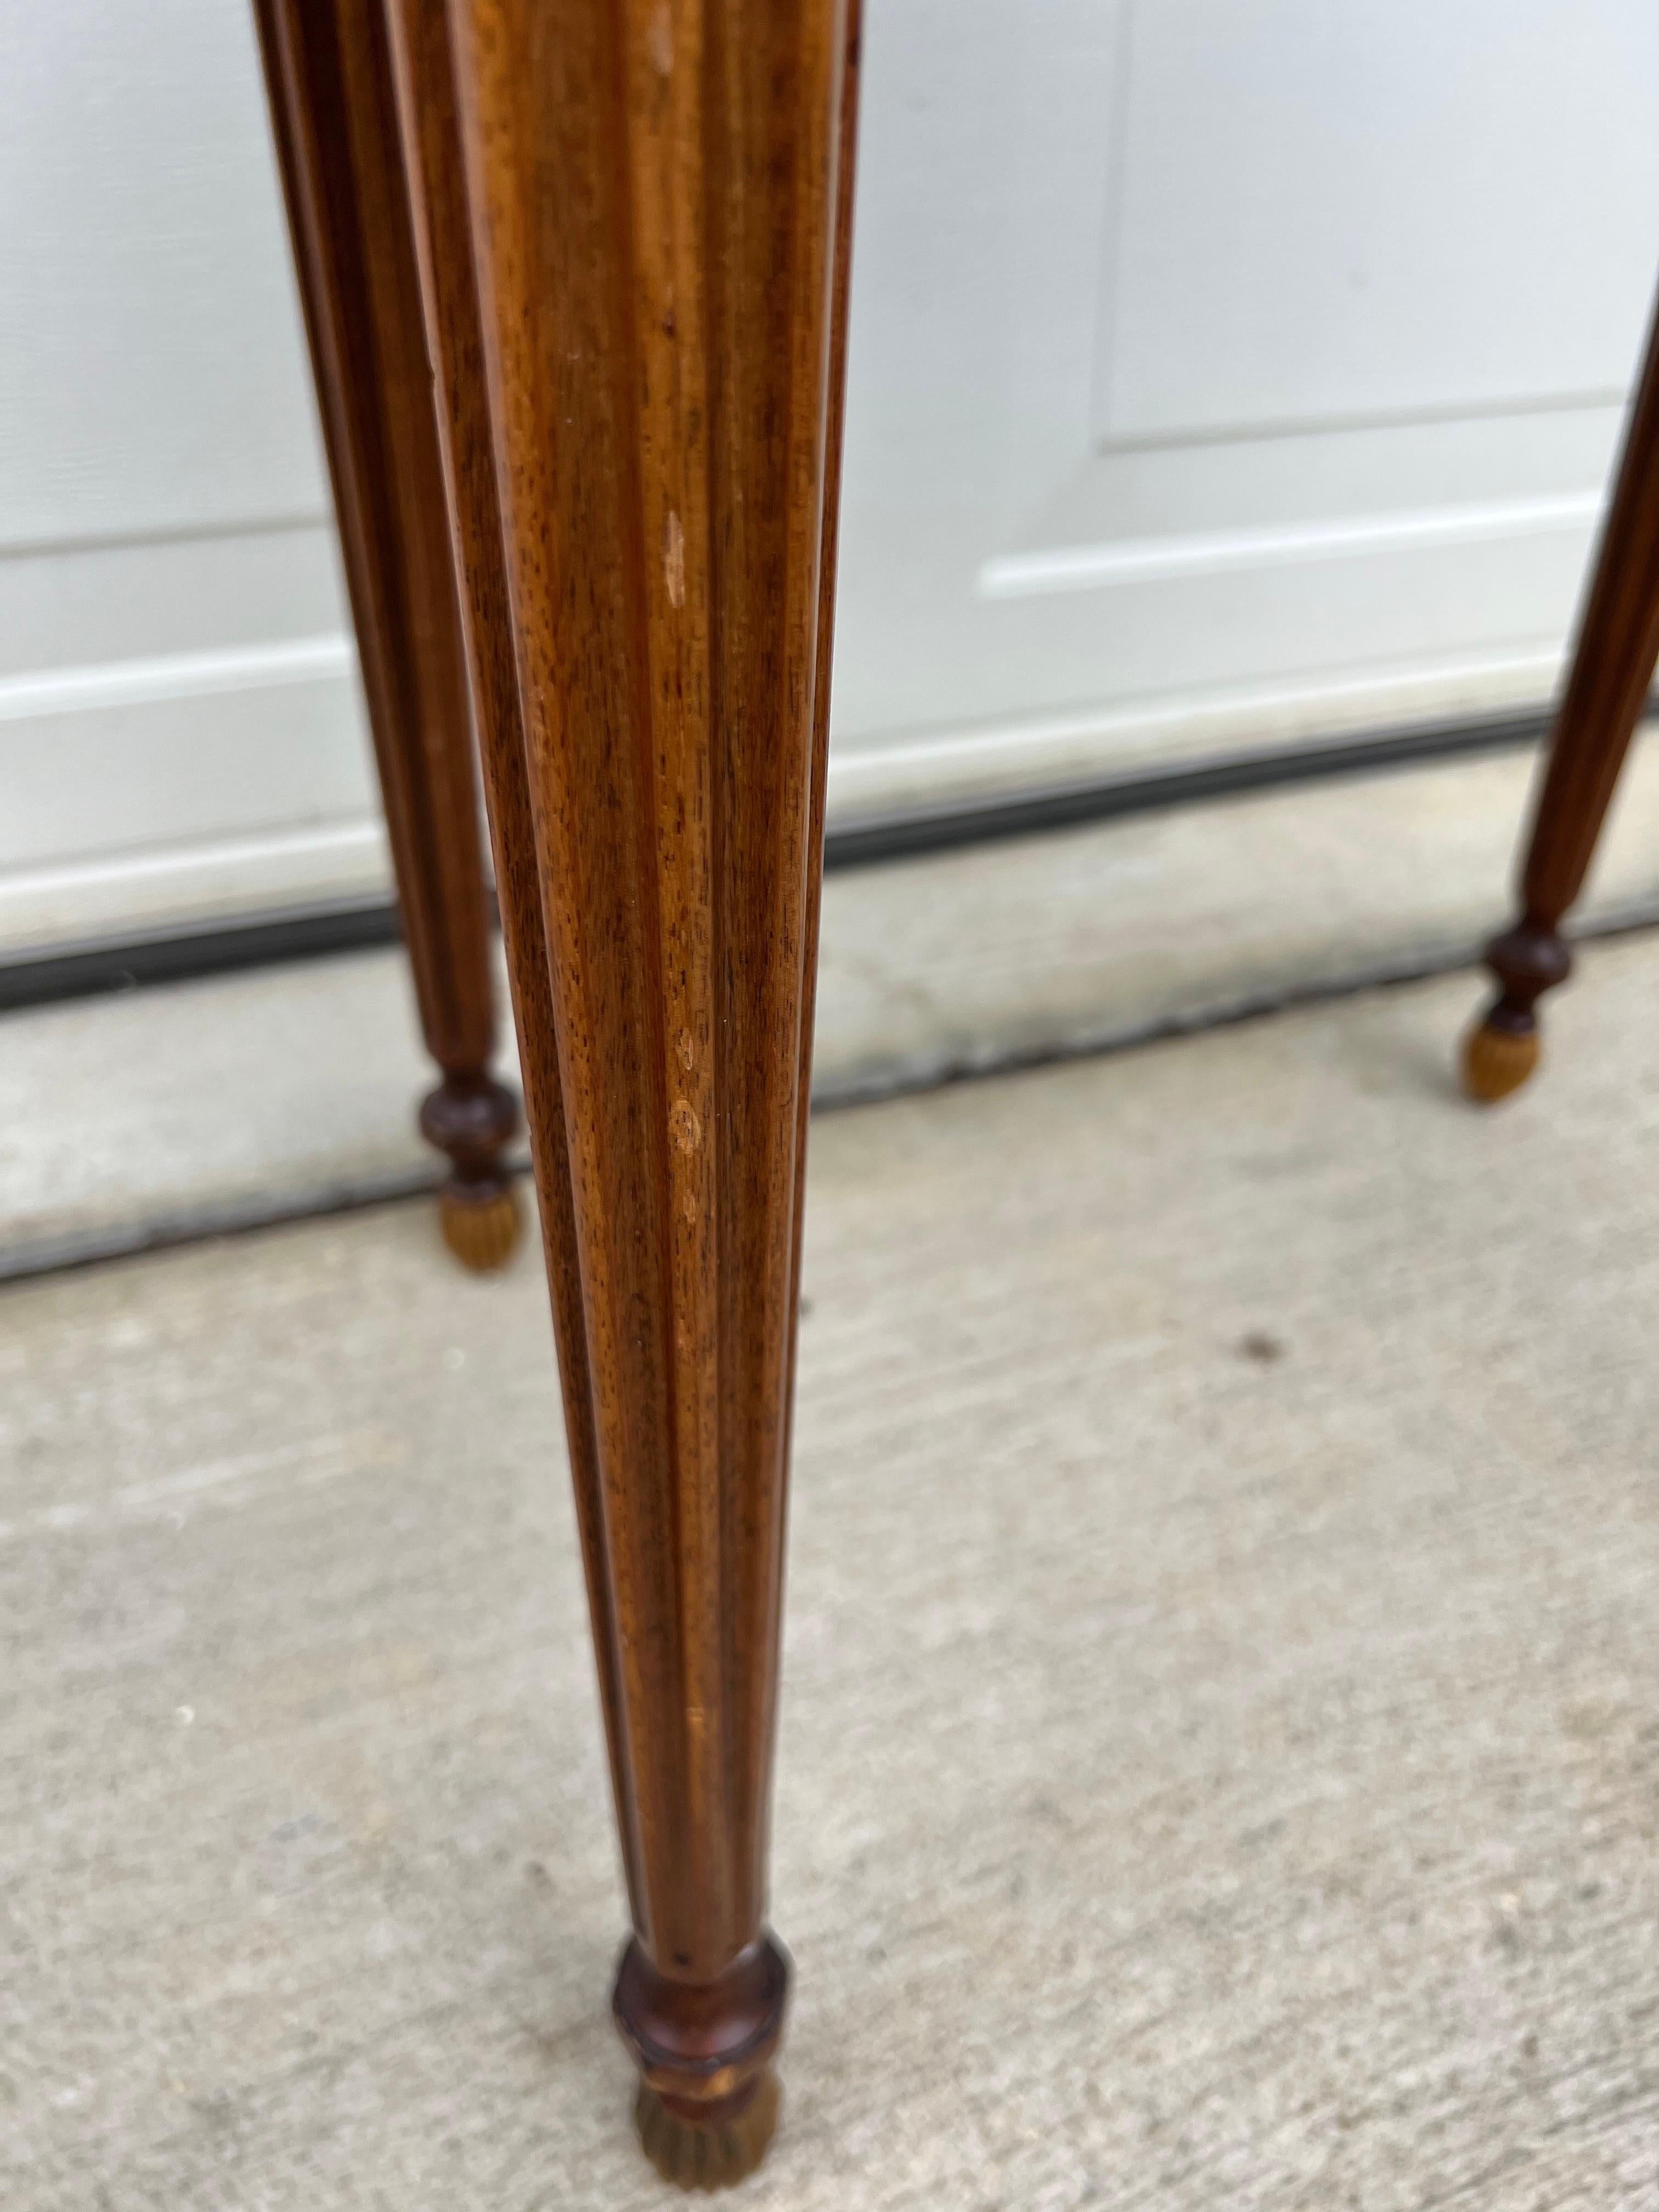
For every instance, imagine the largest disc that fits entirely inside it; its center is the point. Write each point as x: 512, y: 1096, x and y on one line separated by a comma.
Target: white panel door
x: 1228, y: 371
x: 179, y: 724
x: 1223, y: 371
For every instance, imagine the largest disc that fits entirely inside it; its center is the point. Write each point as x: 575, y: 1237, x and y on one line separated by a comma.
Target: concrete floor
x: 1221, y: 1750
x: 250, y: 1096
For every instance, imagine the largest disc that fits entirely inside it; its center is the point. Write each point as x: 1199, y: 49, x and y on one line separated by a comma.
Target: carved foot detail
x: 1502, y: 1050
x: 471, y: 1118
x: 708, y: 2097
x: 711, y: 2154
x: 1498, y: 1060
x: 482, y: 1222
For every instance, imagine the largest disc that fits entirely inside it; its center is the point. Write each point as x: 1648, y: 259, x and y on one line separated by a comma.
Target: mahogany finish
x: 328, y: 76
x: 633, y: 217
x: 1613, y: 666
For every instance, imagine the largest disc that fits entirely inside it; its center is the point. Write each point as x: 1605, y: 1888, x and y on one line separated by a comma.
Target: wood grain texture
x: 1613, y: 658
x: 420, y: 43
x: 634, y: 221
x: 328, y: 75
x: 1612, y: 664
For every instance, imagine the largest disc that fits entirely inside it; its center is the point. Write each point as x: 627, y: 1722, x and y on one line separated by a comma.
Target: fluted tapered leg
x: 1613, y: 665
x: 633, y: 217
x: 328, y: 74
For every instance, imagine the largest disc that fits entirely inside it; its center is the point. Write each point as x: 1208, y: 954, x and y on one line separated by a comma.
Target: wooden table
x: 575, y: 282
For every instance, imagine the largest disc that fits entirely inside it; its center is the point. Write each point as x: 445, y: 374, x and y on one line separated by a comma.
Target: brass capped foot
x: 482, y: 1224
x: 693, y: 2154
x: 470, y: 1118
x: 1496, y: 1061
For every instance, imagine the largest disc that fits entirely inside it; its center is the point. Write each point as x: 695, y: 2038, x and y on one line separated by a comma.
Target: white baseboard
x: 238, y: 1094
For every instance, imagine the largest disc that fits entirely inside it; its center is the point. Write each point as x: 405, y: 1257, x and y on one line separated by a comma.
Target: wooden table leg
x: 335, y: 121
x: 1613, y: 666
x: 635, y: 216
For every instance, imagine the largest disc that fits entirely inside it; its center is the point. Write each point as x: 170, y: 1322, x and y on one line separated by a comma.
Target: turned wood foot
x: 470, y: 1120
x: 1501, y: 1051
x: 708, y: 2100
x: 1497, y: 1058
x: 710, y: 2152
